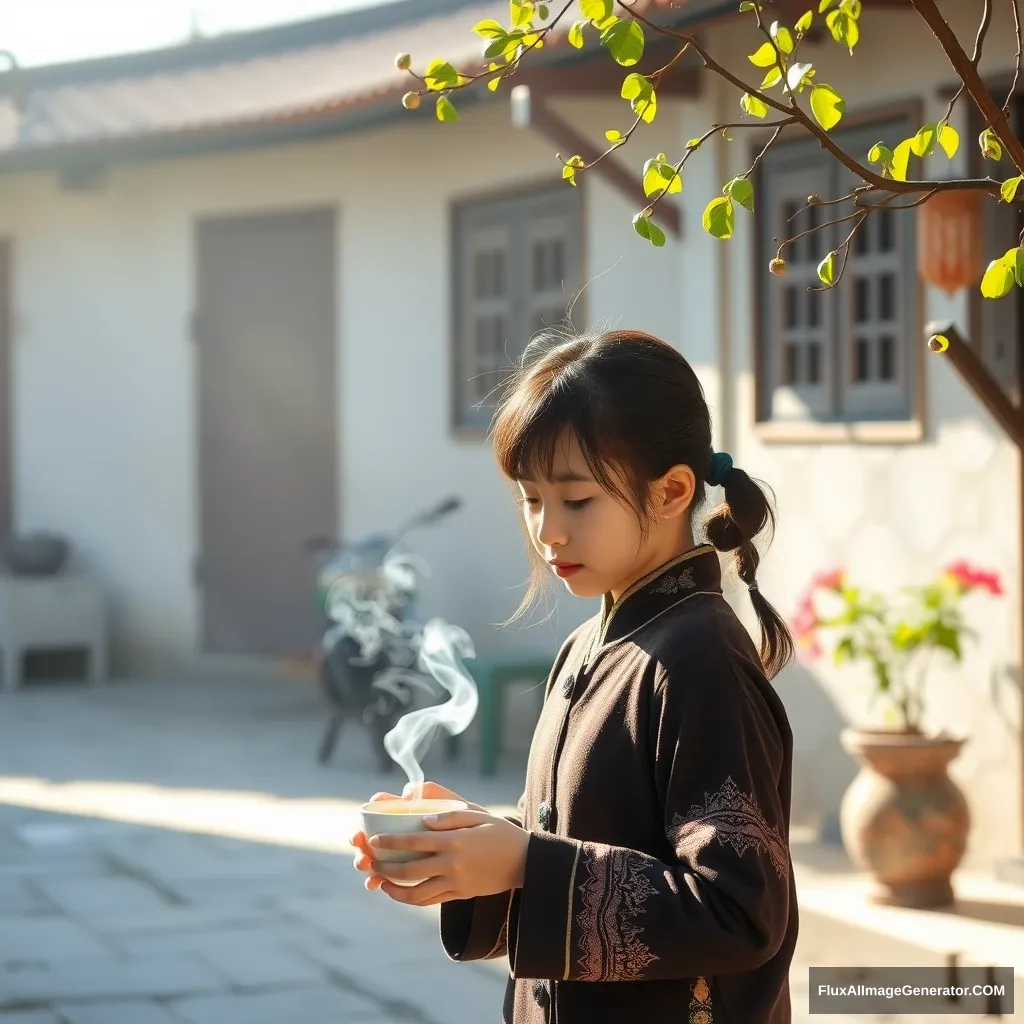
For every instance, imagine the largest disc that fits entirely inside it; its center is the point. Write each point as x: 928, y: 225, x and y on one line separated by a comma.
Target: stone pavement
x: 170, y: 853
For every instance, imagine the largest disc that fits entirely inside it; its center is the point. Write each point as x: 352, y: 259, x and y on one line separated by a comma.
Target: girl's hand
x: 471, y: 853
x: 431, y: 791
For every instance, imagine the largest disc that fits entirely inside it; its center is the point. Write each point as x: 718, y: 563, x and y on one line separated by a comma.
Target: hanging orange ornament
x: 950, y: 239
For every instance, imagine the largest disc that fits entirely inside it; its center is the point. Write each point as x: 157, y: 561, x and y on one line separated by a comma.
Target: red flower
x: 967, y: 578
x: 834, y: 579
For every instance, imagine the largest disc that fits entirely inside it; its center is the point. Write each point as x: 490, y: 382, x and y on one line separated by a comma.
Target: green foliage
x: 827, y: 106
x: 719, y: 217
x: 895, y: 641
x: 641, y: 95
x: 646, y: 228
x: 1002, y: 274
x: 827, y: 270
x: 624, y: 41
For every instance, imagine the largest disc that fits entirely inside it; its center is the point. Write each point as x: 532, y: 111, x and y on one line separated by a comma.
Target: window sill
x: 862, y: 432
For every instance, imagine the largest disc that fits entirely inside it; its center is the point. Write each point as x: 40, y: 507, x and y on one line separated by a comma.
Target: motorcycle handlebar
x: 320, y: 544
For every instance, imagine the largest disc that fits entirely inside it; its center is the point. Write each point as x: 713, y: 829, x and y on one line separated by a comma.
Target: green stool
x: 492, y: 676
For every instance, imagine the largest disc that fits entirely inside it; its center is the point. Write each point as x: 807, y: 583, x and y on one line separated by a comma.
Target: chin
x: 583, y: 588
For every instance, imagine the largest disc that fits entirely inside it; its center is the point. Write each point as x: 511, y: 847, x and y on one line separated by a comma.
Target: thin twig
x: 768, y: 145
x: 979, y: 42
x: 1020, y: 56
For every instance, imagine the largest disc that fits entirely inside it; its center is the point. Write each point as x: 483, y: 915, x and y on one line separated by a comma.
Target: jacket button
x: 546, y: 816
x: 540, y: 994
x: 567, y: 686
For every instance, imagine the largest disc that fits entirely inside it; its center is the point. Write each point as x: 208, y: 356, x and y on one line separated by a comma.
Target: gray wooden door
x: 6, y: 391
x: 268, y: 466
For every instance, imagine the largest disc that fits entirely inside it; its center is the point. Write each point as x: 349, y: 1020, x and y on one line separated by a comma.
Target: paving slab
x: 106, y: 978
x: 320, y: 1004
x: 28, y: 938
x: 132, y: 1011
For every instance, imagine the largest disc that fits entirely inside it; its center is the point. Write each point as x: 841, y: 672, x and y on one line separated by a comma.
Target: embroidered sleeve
x: 716, y: 898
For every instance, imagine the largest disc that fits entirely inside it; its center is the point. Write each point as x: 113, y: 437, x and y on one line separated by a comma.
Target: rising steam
x: 361, y: 604
x: 441, y: 648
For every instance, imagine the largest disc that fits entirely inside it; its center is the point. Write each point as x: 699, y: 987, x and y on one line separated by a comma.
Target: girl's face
x: 592, y: 540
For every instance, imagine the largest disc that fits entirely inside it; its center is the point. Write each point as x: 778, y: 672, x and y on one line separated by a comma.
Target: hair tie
x: 752, y: 586
x: 721, y: 463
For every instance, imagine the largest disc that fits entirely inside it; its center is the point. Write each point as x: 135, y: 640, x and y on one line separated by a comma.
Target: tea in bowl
x: 392, y: 817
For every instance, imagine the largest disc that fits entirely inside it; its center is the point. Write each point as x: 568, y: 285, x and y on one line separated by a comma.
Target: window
x: 848, y: 354
x: 518, y: 266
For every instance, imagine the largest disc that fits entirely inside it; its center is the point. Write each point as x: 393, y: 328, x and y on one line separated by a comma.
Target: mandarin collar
x: 695, y: 572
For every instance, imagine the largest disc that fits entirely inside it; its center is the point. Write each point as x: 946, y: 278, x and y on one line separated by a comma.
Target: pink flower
x: 967, y: 578
x: 834, y: 579
x: 804, y: 625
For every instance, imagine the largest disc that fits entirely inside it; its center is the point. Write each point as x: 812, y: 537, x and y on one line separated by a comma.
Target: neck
x: 660, y: 555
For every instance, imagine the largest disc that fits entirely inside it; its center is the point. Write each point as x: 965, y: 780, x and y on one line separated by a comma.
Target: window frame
x: 573, y: 204
x: 855, y: 427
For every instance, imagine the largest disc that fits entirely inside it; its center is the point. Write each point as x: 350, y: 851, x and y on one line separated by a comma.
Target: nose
x: 551, y: 528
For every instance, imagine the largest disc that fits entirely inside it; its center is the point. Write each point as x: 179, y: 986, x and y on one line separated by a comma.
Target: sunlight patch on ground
x: 321, y: 824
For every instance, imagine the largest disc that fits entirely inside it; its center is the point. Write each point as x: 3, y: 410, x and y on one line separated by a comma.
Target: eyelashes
x: 574, y: 505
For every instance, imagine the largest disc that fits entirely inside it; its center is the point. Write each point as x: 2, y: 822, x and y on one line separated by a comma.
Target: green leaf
x: 880, y: 153
x: 1008, y: 190
x: 764, y: 57
x: 489, y: 29
x: 742, y: 191
x: 827, y: 270
x: 998, y: 279
x: 844, y: 28
x: 923, y: 143
x: 827, y: 106
x: 782, y: 36
x: 571, y: 166
x: 522, y: 12
x: 446, y: 110
x: 991, y: 147
x: 773, y: 77
x: 597, y: 10
x: 949, y: 139
x: 693, y: 144
x: 440, y: 74
x: 625, y: 42
x: 825, y: 5
x: 646, y: 228
x: 719, y: 217
x: 543, y: 11
x: 753, y: 106
x: 845, y: 650
x: 496, y: 80
x: 900, y: 161
x: 796, y: 76
x: 1015, y: 257
x: 661, y: 177
x: 576, y: 34
x: 640, y: 93
x: 851, y: 7
x: 749, y: 5
x: 615, y: 136
x: 804, y: 22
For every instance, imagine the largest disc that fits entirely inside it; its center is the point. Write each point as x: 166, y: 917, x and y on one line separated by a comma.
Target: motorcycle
x: 366, y: 592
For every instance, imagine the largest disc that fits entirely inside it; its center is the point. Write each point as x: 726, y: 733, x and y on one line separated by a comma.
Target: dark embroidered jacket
x: 658, y: 800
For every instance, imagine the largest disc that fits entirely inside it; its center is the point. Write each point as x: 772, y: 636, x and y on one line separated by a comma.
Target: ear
x: 674, y: 492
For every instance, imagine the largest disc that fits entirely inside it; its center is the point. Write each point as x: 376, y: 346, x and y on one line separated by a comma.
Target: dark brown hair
x: 637, y: 409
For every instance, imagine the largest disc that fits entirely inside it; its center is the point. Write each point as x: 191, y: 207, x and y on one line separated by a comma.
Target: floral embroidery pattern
x: 732, y: 817
x: 613, y: 894
x: 700, y: 1003
x: 673, y: 584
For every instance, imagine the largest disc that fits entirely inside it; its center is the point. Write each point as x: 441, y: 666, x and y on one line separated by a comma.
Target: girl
x: 651, y: 847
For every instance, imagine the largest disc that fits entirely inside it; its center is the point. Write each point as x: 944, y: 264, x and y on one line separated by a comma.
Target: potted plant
x: 902, y: 818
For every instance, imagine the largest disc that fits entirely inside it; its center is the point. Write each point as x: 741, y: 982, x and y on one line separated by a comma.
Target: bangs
x: 547, y: 408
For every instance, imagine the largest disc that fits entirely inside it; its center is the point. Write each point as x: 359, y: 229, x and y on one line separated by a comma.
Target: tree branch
x: 852, y: 164
x: 968, y: 72
x: 1020, y: 56
x: 979, y: 42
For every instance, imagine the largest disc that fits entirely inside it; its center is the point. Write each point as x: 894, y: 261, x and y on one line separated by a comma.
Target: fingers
x: 426, y: 894
x: 431, y: 791
x: 457, y: 819
x: 413, y: 871
x: 416, y: 842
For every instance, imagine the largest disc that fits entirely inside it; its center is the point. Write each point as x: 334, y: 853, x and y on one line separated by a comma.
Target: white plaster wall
x: 105, y: 404
x: 891, y: 514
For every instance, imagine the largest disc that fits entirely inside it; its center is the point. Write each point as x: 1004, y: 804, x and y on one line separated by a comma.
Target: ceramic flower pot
x: 903, y: 818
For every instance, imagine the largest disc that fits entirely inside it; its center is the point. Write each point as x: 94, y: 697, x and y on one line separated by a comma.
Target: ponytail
x: 733, y: 526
